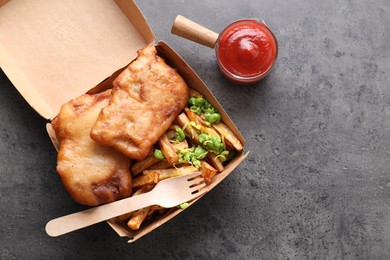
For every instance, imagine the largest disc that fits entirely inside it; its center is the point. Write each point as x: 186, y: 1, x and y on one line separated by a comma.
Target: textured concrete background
x: 317, y: 182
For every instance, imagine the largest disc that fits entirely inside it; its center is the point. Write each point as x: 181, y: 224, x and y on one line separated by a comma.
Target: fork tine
x: 198, y: 187
x: 195, y: 181
x: 193, y: 175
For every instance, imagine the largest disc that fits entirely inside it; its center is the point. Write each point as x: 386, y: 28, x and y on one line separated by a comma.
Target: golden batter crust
x: 146, y: 98
x: 92, y: 174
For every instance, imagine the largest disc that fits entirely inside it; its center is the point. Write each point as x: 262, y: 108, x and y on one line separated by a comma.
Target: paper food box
x: 54, y: 51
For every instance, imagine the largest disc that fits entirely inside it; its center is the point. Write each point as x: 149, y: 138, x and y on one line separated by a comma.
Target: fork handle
x: 75, y: 221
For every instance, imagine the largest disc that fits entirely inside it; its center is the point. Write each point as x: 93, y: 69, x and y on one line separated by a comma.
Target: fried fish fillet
x: 92, y: 174
x: 146, y: 98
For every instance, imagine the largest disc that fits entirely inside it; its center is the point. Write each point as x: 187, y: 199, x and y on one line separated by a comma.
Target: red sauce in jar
x: 246, y: 51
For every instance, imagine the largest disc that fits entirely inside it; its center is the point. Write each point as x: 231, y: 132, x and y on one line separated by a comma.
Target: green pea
x: 158, y: 154
x: 203, y: 138
x: 199, y: 101
x: 216, y: 141
x: 215, y: 144
x: 206, y: 123
x: 200, y: 152
x: 209, y: 144
x: 196, y: 163
x: 191, y: 101
x: 181, y: 158
x: 223, y: 156
x: 213, y: 118
x: 179, y: 135
x: 210, y: 110
x: 196, y: 110
x: 188, y: 157
x: 183, y: 205
x: 207, y: 105
x: 202, y: 155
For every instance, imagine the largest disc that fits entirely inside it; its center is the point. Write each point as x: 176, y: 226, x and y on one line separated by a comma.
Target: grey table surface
x: 317, y: 182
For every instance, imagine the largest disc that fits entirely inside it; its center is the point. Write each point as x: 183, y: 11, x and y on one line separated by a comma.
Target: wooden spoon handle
x: 190, y: 30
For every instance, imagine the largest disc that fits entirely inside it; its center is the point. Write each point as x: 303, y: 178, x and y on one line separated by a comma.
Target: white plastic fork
x: 167, y: 193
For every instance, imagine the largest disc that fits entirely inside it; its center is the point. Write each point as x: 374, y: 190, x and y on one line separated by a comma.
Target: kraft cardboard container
x: 54, y: 51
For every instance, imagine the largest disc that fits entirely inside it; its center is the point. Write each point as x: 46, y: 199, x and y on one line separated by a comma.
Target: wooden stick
x: 190, y: 30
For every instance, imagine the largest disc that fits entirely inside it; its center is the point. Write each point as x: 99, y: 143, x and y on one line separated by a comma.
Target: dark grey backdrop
x: 317, y: 182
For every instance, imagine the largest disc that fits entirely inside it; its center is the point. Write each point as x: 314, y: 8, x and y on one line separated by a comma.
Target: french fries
x: 168, y: 149
x: 208, y: 172
x: 200, y: 122
x: 145, y: 179
x: 196, y: 141
x: 137, y: 167
x: 160, y: 165
x: 136, y: 220
x: 215, y: 162
x: 179, y: 146
x: 184, y: 122
x: 171, y: 172
x: 229, y: 136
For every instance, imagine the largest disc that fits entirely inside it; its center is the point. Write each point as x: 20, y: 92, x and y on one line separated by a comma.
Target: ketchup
x: 246, y: 51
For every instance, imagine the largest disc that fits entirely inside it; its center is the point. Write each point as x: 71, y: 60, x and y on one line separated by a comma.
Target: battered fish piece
x: 92, y: 174
x: 146, y: 98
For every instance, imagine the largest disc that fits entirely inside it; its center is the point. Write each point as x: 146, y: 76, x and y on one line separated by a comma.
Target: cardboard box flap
x: 59, y: 51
